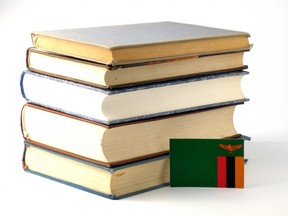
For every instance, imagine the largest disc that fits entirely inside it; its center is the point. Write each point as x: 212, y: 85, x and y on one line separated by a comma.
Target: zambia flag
x: 207, y: 163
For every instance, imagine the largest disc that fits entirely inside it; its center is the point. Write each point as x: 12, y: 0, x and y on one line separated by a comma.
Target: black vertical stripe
x: 230, y: 169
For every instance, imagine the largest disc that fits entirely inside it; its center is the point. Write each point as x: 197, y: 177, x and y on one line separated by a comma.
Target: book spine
x: 22, y: 86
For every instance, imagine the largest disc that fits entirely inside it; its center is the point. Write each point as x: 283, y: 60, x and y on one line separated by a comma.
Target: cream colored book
x: 113, y: 183
x: 108, y: 76
x: 123, y: 44
x: 115, y: 106
x: 121, y: 143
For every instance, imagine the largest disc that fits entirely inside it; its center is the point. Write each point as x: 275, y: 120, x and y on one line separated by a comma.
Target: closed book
x: 123, y: 44
x: 114, y: 106
x: 207, y: 163
x: 113, y: 183
x: 118, y: 144
x: 108, y: 76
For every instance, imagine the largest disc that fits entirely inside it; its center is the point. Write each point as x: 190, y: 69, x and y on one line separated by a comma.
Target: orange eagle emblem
x: 230, y: 148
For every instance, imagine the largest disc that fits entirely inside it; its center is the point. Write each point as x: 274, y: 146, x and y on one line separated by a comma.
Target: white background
x: 264, y: 118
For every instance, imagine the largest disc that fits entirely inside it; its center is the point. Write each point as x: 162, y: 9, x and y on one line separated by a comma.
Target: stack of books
x: 103, y: 102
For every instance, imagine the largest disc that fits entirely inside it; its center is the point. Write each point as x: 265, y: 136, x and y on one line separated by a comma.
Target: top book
x: 134, y: 43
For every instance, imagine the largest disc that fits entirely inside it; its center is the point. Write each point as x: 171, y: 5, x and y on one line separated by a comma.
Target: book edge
x: 177, y: 81
x: 27, y: 144
x: 138, y: 119
x: 108, y: 196
x: 111, y: 170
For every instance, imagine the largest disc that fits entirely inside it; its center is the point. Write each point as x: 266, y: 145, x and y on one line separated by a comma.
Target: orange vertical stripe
x: 239, y: 172
x: 221, y: 171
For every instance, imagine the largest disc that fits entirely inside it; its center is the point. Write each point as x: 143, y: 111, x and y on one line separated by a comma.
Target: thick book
x: 114, y: 106
x: 207, y: 163
x: 108, y: 76
x: 114, y: 183
x: 121, y: 143
x: 123, y: 44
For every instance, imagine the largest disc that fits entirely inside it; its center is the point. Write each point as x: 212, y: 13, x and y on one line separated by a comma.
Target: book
x: 108, y: 76
x: 113, y: 183
x: 123, y: 44
x: 207, y: 163
x: 119, y: 105
x: 118, y: 144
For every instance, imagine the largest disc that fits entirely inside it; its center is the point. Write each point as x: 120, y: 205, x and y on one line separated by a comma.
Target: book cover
x: 113, y: 183
x: 207, y: 163
x: 119, y: 105
x: 124, y: 44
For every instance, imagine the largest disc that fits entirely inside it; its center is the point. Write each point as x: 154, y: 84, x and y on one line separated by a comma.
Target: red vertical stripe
x: 221, y: 170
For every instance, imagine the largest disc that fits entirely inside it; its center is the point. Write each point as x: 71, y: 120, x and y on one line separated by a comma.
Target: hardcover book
x: 124, y: 44
x: 108, y: 76
x: 121, y: 143
x: 114, y: 106
x: 207, y: 163
x: 113, y: 183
